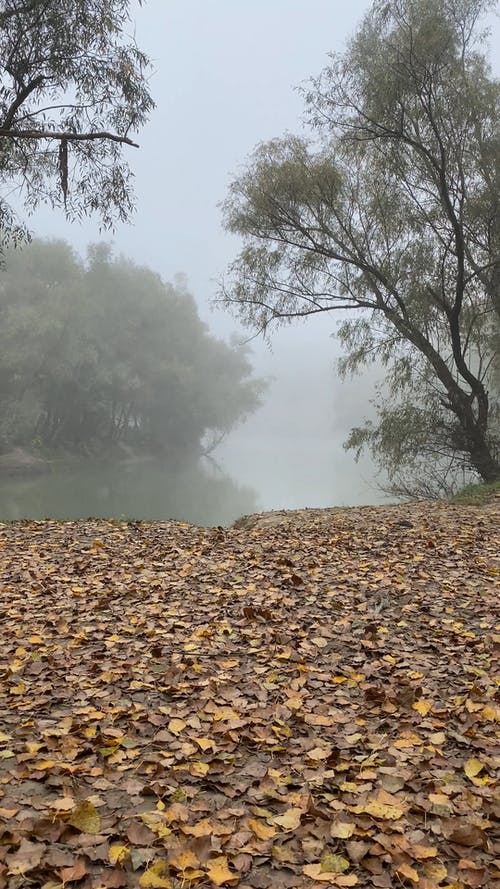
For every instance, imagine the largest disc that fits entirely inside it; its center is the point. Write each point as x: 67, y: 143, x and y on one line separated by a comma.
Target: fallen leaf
x: 26, y: 858
x: 219, y: 873
x: 261, y: 830
x: 118, y: 854
x: 290, y: 819
x: 154, y: 877
x: 75, y: 872
x: 85, y: 817
x: 473, y: 767
x: 342, y: 829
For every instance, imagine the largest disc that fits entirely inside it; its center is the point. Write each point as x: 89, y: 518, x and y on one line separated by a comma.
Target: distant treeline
x: 100, y: 353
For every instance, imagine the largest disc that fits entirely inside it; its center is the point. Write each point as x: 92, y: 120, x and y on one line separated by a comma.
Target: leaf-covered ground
x: 306, y: 704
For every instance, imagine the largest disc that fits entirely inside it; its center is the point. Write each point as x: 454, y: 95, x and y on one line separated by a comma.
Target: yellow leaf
x: 44, y: 764
x: 198, y: 769
x: 472, y: 767
x: 279, y: 778
x: 350, y: 787
x: 262, y: 831
x: 85, y: 818
x: 357, y: 677
x: 219, y: 872
x: 225, y: 713
x: 18, y: 689
x: 205, y: 744
x: 290, y: 819
x: 436, y: 871
x: 318, y: 719
x: 155, y: 822
x: 490, y: 714
x: 184, y: 860
x: 153, y: 877
x: 318, y: 753
x: 422, y: 706
x: 334, y: 864
x: 118, y: 854
x: 423, y: 851
x: 408, y: 872
x: 63, y: 804
x: 294, y: 703
x: 482, y: 780
x: 4, y: 737
x: 383, y: 811
x: 176, y: 726
x: 437, y: 738
x: 202, y: 828
x: 189, y: 874
x: 342, y: 830
x: 314, y: 871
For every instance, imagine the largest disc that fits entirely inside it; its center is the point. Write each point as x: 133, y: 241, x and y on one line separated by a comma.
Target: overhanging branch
x: 71, y: 137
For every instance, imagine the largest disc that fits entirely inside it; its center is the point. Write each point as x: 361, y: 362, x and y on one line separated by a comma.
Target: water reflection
x: 147, y: 490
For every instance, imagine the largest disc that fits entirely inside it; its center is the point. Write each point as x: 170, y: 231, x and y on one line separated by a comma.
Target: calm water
x: 149, y: 490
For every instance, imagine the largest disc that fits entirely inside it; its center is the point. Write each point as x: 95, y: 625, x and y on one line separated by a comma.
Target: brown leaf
x: 76, y: 871
x: 26, y: 858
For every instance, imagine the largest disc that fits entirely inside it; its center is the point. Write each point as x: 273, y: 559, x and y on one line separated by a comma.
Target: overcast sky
x: 224, y: 78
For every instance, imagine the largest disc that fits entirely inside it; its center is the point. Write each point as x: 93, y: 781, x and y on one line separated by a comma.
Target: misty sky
x: 224, y: 79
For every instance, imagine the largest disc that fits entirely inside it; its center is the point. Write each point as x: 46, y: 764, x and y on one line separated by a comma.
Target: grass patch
x: 477, y: 495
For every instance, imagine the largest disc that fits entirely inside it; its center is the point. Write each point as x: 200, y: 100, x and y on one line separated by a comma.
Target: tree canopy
x: 73, y: 92
x: 103, y: 353
x: 389, y: 210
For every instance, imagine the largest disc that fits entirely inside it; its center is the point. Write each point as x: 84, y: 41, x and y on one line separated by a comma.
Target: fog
x: 224, y: 80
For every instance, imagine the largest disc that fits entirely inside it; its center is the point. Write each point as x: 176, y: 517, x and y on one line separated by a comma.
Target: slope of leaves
x: 303, y: 705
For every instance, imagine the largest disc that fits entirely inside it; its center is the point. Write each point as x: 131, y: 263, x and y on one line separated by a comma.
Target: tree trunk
x: 474, y: 439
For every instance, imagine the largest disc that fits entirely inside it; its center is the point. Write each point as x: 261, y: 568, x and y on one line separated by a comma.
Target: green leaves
x: 70, y: 72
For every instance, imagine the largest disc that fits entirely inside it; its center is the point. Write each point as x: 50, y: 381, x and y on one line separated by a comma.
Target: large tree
x: 390, y: 212
x: 73, y: 92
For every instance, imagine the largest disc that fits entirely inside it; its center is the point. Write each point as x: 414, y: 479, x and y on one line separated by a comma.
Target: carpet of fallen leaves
x: 304, y: 705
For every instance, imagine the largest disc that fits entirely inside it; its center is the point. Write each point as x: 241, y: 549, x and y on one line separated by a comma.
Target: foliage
x: 477, y: 495
x: 389, y: 212
x: 103, y: 353
x: 73, y: 86
x: 416, y: 440
x: 310, y: 704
